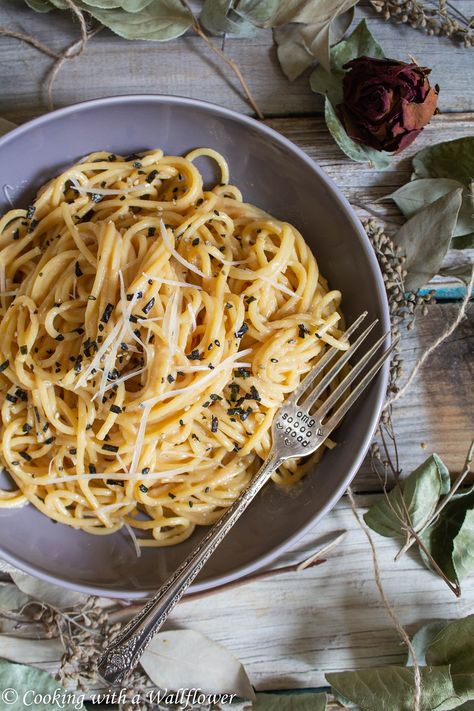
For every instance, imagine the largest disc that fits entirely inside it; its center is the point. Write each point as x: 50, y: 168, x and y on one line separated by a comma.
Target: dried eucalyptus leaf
x: 11, y: 598
x: 308, y: 11
x: 160, y: 20
x: 360, y: 42
x: 420, y: 490
x: 340, y: 24
x: 359, y: 153
x: 258, y: 12
x: 27, y: 682
x: 460, y: 271
x: 425, y: 238
x: 391, y: 688
x: 450, y: 541
x: 454, y: 645
x: 127, y: 5
x: 450, y: 159
x: 417, y: 194
x: 320, y: 36
x: 217, y: 17
x: 290, y: 702
x: 47, y: 592
x: 292, y: 54
x: 30, y: 651
x: 316, y: 39
x: 187, y: 659
x: 464, y: 242
x: 40, y: 5
x: 423, y: 638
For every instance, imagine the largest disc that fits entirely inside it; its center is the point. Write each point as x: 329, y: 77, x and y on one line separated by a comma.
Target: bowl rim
x: 381, y: 380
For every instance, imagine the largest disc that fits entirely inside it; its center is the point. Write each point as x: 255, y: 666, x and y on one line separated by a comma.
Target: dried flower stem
x: 391, y: 612
x: 197, y: 28
x: 459, y: 480
x: 443, y: 19
x: 405, y: 519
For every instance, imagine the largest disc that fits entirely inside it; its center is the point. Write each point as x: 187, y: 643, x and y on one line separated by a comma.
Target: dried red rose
x: 386, y: 103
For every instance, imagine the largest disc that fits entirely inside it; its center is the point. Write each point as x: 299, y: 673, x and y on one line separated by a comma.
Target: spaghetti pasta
x: 150, y: 329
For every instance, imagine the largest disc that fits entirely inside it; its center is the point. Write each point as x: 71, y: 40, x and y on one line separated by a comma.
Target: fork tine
x: 331, y: 374
x: 329, y: 426
x: 333, y: 397
x: 328, y: 356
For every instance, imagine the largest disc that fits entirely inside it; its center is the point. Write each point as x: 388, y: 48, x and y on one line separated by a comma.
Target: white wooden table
x: 290, y: 629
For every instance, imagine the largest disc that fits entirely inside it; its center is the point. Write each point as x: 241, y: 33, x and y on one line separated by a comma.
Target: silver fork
x: 296, y: 432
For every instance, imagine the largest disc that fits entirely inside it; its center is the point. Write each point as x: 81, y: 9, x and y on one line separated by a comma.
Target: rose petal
x: 416, y: 116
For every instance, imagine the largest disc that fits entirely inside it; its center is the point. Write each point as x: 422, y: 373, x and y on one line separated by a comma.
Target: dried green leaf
x: 423, y: 638
x: 426, y: 236
x: 160, y: 20
x: 295, y: 41
x: 417, y: 194
x: 359, y: 153
x: 127, y: 5
x: 258, y: 12
x: 40, y: 5
x: 454, y: 645
x: 292, y: 54
x: 461, y: 271
x: 33, y: 652
x: 450, y: 541
x: 391, y: 688
x: 420, y: 490
x: 290, y: 702
x: 47, y: 592
x: 11, y: 598
x: 358, y: 43
x: 218, y: 17
x: 187, y: 659
x: 308, y: 11
x: 451, y: 159
x: 28, y: 682
x: 464, y: 242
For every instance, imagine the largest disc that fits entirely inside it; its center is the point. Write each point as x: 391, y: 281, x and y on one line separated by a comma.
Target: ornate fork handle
x: 124, y: 654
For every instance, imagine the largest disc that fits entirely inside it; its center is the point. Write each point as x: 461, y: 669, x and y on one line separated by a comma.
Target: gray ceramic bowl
x: 277, y: 176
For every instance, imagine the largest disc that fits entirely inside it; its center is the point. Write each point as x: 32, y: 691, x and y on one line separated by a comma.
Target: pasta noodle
x: 150, y: 329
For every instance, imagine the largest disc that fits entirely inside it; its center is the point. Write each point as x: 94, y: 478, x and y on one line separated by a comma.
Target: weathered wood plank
x: 290, y: 634
x: 185, y: 66
x: 291, y: 629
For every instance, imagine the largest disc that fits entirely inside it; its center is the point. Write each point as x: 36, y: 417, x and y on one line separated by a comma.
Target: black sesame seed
x: 151, y: 176
x: 11, y: 398
x: 149, y: 305
x: 214, y: 424
x: 107, y: 313
x: 146, y: 470
x: 24, y: 350
x: 116, y: 409
x: 242, y: 330
x: 25, y: 456
x: 143, y: 488
x: 26, y: 428
x: 195, y: 242
x: 110, y: 448
x: 92, y: 469
x: 4, y: 365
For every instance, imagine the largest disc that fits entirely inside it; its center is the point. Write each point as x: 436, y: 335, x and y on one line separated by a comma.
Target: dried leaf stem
x: 457, y: 483
x: 391, y: 612
x: 197, y: 28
